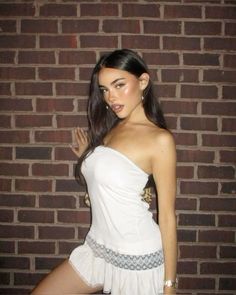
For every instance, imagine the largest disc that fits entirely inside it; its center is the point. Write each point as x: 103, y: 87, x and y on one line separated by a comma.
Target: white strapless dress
x: 123, y: 248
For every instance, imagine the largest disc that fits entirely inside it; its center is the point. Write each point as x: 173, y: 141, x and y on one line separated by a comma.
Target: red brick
x: 227, y: 251
x: 56, y: 73
x: 179, y: 75
x: 64, y: 154
x: 7, y: 57
x: 76, y: 217
x: 57, y: 41
x: 15, y: 262
x: 5, y: 153
x: 82, y: 232
x: 181, y: 43
x: 95, y: 41
x: 5, y: 184
x: 5, y: 89
x: 70, y: 121
x: 201, y: 59
x: 165, y: 90
x: 213, y: 236
x: 14, y: 136
x: 218, y: 268
x: 42, y: 153
x: 121, y: 26
x: 228, y: 92
x: 202, y: 28
x: 36, y: 247
x: 198, y: 91
x: 197, y: 251
x: 54, y: 105
x: 227, y: 156
x: 161, y: 58
x: 19, y: 73
x: 59, y: 136
x: 227, y: 220
x: 71, y: 89
x: 99, y: 10
x: 219, y: 108
x: 182, y: 11
x: 193, y: 123
x: 14, y: 169
x: 195, y: 156
x: 16, y: 104
x: 5, y: 279
x: 17, y: 9
x: 219, y: 76
x: 227, y: 44
x: 140, y: 41
x: 56, y: 232
x: 140, y: 10
x: 171, y: 122
x: 161, y: 27
x: 8, y: 26
x: 216, y: 172
x: 68, y: 185
x: 196, y: 283
x: 185, y: 172
x: 228, y: 187
x: 85, y: 74
x: 7, y: 247
x: 57, y: 201
x: 80, y: 26
x: 26, y: 279
x: 47, y: 263
x: 17, y: 200
x: 38, y: 26
x: 33, y: 185
x: 50, y: 169
x: 229, y: 124
x: 34, y: 88
x: 58, y: 10
x: 185, y: 235
x: 17, y: 41
x: 230, y: 29
x: 219, y: 204
x: 199, y: 188
x: 77, y: 58
x: 17, y: 232
x: 67, y: 247
x: 185, y: 138
x: 186, y: 204
x: 5, y: 122
x: 227, y: 284
x: 6, y: 215
x: 179, y: 107
x: 196, y: 220
x: 36, y: 57
x: 218, y: 140
x: 229, y: 61
x: 36, y: 216
x: 187, y: 267
x: 220, y: 12
x: 33, y: 121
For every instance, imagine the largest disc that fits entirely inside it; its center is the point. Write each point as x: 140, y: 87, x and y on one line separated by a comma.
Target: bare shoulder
x: 163, y: 142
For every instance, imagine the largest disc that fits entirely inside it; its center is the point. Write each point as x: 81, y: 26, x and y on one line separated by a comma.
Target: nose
x: 111, y: 95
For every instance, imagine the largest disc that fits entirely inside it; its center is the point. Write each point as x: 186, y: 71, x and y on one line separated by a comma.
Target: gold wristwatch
x: 170, y: 283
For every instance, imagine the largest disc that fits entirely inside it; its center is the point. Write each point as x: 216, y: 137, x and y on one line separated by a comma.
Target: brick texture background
x: 47, y: 51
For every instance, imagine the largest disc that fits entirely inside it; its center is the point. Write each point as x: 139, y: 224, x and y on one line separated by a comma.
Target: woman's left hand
x: 81, y: 142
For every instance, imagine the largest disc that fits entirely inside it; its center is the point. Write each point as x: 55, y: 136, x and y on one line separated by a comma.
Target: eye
x: 103, y: 90
x: 119, y: 85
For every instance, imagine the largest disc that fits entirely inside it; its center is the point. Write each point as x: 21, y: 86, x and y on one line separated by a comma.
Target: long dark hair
x: 101, y: 119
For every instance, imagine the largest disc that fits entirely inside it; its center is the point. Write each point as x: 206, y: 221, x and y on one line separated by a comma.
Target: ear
x: 143, y: 81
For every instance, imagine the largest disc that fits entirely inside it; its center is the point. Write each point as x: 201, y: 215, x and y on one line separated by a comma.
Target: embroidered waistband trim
x: 131, y: 262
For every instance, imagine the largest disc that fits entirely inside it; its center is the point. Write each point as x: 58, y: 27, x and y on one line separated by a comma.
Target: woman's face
x: 121, y: 90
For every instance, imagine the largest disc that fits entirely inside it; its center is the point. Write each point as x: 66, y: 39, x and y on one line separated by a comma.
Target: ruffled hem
x: 95, y: 271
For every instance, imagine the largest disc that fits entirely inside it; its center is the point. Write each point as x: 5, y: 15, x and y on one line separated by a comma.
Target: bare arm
x: 164, y: 173
x: 81, y: 141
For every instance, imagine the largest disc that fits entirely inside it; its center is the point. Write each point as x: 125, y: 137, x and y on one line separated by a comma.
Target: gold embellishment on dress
x: 147, y: 195
x: 87, y: 200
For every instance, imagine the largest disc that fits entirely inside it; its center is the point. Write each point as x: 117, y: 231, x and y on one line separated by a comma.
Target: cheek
x: 131, y: 90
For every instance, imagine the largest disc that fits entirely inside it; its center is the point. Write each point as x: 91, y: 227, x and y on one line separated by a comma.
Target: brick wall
x: 48, y: 49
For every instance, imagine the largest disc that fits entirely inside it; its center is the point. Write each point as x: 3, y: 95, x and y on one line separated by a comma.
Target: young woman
x: 125, y: 251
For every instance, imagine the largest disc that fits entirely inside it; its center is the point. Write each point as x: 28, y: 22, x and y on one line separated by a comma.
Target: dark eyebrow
x: 113, y: 82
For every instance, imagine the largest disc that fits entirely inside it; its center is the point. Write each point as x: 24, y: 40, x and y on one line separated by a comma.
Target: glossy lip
x: 117, y: 108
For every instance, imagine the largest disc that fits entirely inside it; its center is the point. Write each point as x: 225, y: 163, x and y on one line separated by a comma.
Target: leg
x: 63, y: 280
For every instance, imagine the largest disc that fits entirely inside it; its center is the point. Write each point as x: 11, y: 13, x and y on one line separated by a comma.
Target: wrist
x: 171, y: 283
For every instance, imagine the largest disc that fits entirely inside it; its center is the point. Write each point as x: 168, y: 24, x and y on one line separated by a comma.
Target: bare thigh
x: 63, y: 280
